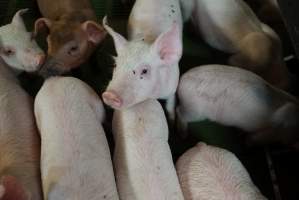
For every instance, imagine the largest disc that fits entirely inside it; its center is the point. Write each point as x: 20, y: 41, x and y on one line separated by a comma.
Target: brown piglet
x: 73, y: 33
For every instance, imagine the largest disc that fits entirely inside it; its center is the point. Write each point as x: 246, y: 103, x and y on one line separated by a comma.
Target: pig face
x: 70, y: 43
x: 143, y: 70
x: 18, y: 49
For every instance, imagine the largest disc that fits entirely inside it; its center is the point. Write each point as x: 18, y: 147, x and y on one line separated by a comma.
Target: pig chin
x: 118, y: 101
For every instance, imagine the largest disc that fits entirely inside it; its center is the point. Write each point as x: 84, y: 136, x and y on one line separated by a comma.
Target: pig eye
x: 9, y: 52
x: 73, y: 50
x: 134, y: 72
x: 144, y: 71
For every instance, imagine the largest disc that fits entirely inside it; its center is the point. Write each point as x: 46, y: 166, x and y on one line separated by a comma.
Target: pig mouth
x: 52, y: 68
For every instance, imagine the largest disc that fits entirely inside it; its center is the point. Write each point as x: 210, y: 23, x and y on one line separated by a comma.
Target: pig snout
x: 39, y: 59
x: 35, y: 61
x: 111, y: 98
x: 51, y: 68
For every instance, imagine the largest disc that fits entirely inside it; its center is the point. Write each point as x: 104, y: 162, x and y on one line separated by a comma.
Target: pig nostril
x: 112, y: 99
x: 41, y: 59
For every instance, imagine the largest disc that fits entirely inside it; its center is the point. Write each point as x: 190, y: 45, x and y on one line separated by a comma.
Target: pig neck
x: 7, y: 74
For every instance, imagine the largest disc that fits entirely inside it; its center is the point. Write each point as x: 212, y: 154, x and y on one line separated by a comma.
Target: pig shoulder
x: 61, y: 89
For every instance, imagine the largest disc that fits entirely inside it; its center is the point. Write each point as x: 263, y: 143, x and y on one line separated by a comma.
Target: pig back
x: 148, y: 19
x: 142, y: 159
x: 223, y: 24
x: 228, y: 95
x: 207, y: 172
x: 19, y: 140
x: 74, y: 146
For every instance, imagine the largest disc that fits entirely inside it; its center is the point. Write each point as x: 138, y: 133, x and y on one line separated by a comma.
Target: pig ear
x: 17, y: 20
x: 41, y: 24
x: 119, y: 41
x: 12, y: 189
x: 169, y: 45
x: 95, y: 32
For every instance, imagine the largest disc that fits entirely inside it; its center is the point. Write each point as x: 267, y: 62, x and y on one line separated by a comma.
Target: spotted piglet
x: 75, y: 157
x: 142, y: 159
x: 19, y: 140
x: 232, y: 27
x: 236, y: 97
x: 147, y: 64
x: 210, y: 173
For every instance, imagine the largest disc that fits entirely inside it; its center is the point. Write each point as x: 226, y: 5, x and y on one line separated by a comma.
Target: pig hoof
x: 112, y: 99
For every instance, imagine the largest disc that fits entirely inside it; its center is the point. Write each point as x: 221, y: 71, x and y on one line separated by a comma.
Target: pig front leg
x: 181, y: 124
x: 170, y: 107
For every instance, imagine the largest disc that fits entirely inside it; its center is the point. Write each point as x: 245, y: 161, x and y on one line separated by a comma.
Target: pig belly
x: 223, y: 24
x: 242, y: 104
x: 145, y: 170
x: 149, y: 19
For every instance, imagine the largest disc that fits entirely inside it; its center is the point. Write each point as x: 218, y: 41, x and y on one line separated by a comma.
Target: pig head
x: 71, y: 40
x: 18, y: 49
x: 143, y: 71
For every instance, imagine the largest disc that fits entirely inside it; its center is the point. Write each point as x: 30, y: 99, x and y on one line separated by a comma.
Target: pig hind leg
x: 2, y: 191
x: 283, y: 128
x: 11, y: 188
x: 256, y: 52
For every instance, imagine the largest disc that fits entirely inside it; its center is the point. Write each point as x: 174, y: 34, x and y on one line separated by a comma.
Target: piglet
x: 211, y: 173
x: 73, y: 33
x: 75, y: 157
x: 147, y: 64
x: 142, y: 159
x: 236, y: 97
x: 19, y: 140
x: 232, y: 27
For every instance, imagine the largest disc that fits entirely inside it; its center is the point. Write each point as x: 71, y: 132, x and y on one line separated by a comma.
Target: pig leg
x: 181, y: 124
x: 255, y: 53
x: 284, y: 128
x: 2, y: 191
x: 12, y: 189
x: 170, y: 108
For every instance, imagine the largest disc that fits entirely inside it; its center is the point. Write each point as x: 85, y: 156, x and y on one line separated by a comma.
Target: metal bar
x: 290, y: 14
